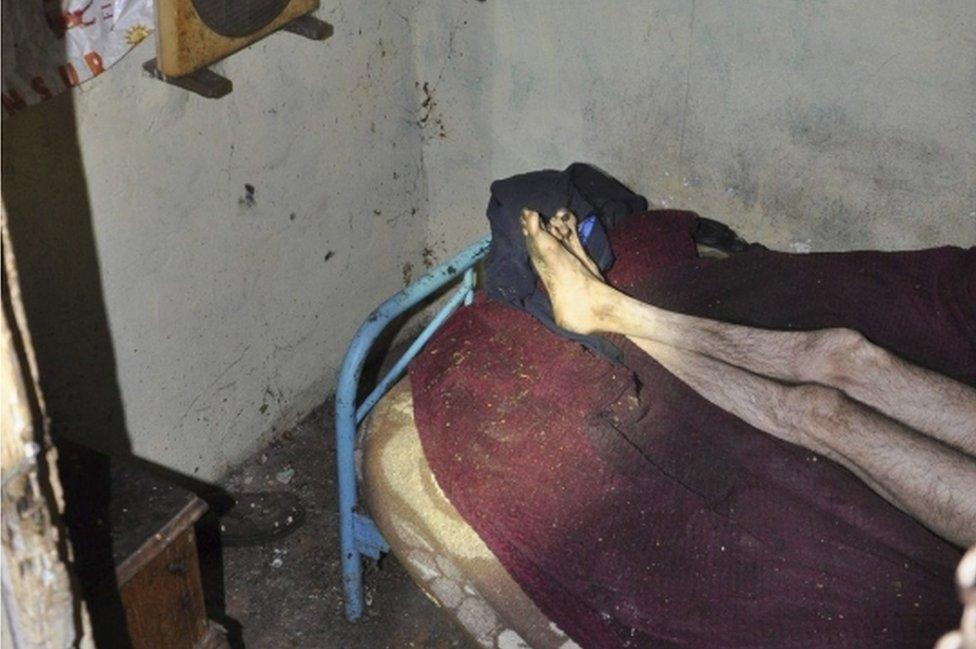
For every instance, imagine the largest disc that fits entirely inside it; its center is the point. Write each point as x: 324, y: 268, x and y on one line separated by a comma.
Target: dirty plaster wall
x: 238, y: 243
x: 823, y: 125
x: 217, y: 314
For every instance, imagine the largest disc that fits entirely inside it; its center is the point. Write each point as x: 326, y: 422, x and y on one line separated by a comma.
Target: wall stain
x: 427, y: 117
x: 247, y: 200
x: 815, y: 125
x: 740, y: 181
x: 429, y: 257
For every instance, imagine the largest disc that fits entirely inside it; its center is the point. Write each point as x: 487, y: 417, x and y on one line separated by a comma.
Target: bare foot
x: 563, y: 227
x: 577, y: 296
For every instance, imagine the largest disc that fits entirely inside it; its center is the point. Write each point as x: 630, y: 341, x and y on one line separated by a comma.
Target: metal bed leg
x: 358, y: 534
x: 352, y: 576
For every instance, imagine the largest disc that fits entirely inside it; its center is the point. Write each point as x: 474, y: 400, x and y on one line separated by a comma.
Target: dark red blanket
x: 724, y: 536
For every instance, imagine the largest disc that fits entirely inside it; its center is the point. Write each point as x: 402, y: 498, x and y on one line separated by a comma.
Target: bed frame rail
x: 358, y: 534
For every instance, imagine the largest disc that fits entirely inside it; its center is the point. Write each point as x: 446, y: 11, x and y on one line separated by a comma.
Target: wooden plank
x: 156, y: 544
x: 163, y: 602
x: 39, y: 607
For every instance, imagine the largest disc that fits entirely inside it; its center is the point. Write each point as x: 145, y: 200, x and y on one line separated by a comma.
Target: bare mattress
x: 442, y: 553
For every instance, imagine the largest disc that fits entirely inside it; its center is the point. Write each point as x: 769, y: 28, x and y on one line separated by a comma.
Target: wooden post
x: 40, y: 607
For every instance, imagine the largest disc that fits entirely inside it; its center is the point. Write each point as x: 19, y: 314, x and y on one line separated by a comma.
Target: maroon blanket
x: 720, y: 535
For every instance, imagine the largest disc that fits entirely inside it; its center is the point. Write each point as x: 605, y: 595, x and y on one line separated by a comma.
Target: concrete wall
x: 823, y: 125
x: 228, y: 308
x: 183, y: 317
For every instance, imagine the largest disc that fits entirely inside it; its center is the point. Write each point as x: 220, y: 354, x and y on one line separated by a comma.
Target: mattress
x: 442, y: 553
x: 572, y: 539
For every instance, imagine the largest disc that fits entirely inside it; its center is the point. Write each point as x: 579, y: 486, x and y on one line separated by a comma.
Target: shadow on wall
x: 52, y: 234
x: 50, y: 221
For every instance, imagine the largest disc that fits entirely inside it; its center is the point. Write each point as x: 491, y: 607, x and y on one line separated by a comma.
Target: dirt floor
x: 287, y: 593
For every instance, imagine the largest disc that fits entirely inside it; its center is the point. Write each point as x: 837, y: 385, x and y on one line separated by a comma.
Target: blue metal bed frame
x: 358, y: 535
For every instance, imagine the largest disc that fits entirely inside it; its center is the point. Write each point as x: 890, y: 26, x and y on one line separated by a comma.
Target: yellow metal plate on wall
x: 185, y: 43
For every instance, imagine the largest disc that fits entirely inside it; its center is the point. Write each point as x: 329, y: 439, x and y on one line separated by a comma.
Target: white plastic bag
x: 50, y: 46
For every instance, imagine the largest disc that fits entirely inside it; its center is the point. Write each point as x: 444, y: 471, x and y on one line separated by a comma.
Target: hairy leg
x: 922, y: 477
x: 840, y: 358
x: 919, y: 398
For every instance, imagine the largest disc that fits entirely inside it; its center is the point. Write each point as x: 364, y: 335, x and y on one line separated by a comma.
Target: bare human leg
x: 923, y: 478
x: 840, y: 358
x: 915, y: 472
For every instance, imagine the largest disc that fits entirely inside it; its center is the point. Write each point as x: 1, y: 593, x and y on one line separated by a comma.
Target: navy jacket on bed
x: 598, y: 201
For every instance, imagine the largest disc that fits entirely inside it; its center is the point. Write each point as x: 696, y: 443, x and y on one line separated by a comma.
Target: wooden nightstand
x: 148, y: 524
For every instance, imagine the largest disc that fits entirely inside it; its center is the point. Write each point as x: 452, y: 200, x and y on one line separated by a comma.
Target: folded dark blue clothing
x: 598, y: 201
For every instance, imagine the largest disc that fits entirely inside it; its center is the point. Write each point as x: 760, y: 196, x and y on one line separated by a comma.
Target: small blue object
x: 369, y: 541
x: 358, y: 534
x: 585, y: 227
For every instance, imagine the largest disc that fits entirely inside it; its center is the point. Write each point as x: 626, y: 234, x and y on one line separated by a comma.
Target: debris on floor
x: 285, y: 591
x: 285, y: 476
